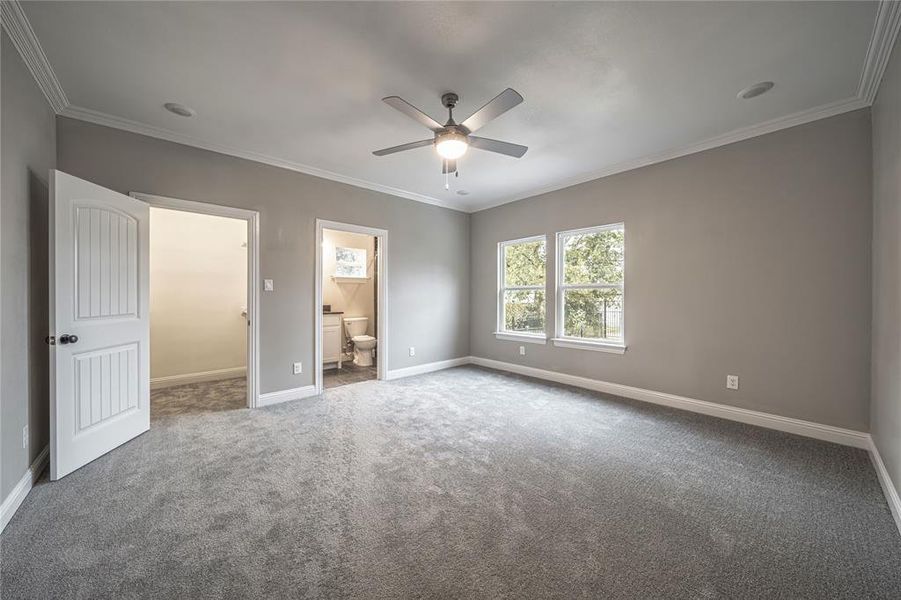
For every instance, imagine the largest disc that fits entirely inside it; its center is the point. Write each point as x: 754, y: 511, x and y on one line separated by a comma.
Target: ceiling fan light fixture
x: 451, y: 145
x: 452, y: 140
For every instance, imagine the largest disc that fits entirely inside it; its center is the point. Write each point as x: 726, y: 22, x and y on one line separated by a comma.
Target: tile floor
x: 348, y: 373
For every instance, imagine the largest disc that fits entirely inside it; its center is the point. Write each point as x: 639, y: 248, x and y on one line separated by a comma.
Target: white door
x: 99, y: 321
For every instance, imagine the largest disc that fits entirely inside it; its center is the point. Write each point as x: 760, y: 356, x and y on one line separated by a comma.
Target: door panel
x: 331, y: 344
x: 100, y: 367
x: 106, y: 251
x: 106, y: 385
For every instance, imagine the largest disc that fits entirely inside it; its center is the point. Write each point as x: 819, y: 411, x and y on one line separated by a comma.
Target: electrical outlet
x: 412, y: 351
x: 298, y: 368
x: 25, y: 437
x: 268, y: 286
x: 522, y: 350
x: 732, y: 382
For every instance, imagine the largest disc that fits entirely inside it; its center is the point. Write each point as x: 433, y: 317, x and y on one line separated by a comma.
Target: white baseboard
x: 888, y: 487
x: 429, y: 367
x: 15, y: 498
x: 173, y: 380
x: 838, y: 435
x: 271, y: 398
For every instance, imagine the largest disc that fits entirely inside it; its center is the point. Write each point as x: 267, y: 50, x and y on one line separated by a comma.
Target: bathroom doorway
x: 350, y: 304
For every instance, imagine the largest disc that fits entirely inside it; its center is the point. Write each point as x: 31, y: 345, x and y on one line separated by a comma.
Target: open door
x: 99, y: 321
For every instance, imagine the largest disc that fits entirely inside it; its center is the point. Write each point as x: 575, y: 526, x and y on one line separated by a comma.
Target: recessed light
x: 752, y: 91
x: 462, y: 193
x: 179, y: 109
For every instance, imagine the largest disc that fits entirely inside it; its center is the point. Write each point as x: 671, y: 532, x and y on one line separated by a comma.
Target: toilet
x: 355, y: 327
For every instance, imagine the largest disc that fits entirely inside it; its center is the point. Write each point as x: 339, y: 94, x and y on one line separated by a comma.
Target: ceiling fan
x: 451, y: 140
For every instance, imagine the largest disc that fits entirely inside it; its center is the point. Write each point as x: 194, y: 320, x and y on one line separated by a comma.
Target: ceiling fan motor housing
x: 449, y: 100
x: 452, y: 132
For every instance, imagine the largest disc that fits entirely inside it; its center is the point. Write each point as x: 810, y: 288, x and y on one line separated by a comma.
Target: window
x: 590, y: 265
x: 521, y: 290
x: 350, y: 262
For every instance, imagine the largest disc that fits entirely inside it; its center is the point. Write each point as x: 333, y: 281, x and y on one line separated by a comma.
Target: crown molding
x: 885, y: 32
x: 100, y: 118
x: 26, y: 42
x: 22, y: 35
x: 737, y: 135
x: 882, y: 41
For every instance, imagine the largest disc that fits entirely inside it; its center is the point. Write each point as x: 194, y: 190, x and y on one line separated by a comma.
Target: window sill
x: 587, y: 345
x: 340, y: 279
x: 520, y: 337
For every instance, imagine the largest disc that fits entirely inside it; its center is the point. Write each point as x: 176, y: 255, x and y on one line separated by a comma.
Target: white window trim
x: 520, y: 337
x: 561, y: 340
x: 515, y: 336
x: 584, y: 344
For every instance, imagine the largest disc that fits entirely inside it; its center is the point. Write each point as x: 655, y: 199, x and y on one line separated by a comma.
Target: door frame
x: 382, y: 291
x: 252, y: 218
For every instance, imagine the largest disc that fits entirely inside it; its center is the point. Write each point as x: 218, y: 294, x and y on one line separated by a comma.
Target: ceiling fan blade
x: 448, y: 166
x: 514, y: 150
x: 495, y: 108
x: 403, y: 147
x: 412, y: 112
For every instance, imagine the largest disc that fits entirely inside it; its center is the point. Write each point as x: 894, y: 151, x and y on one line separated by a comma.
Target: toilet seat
x: 362, y: 338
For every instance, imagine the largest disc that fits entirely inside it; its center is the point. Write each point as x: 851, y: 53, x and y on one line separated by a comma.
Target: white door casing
x: 382, y: 293
x: 99, y: 292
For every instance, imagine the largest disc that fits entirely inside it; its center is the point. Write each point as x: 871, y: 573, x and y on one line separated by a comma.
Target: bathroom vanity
x: 332, y: 337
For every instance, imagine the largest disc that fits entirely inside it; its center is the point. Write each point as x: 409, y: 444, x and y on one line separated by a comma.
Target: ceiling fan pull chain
x: 446, y: 176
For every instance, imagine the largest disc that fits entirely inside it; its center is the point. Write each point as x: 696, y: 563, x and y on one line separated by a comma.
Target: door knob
x: 68, y: 339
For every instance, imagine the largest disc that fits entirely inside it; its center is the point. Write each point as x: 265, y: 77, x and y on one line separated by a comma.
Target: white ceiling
x: 607, y: 86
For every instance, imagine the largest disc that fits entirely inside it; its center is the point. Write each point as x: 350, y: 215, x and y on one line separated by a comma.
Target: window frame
x: 499, y: 332
x: 562, y: 340
x: 364, y: 264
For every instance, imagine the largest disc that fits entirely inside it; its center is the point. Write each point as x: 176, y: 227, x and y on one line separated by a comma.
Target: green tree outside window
x: 591, y: 290
x: 523, y: 286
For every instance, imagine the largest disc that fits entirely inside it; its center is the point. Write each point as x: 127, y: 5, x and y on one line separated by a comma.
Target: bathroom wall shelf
x: 337, y: 279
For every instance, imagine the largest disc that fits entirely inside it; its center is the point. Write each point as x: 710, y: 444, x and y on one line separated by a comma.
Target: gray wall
x: 885, y: 407
x: 28, y: 152
x: 428, y: 246
x: 751, y: 259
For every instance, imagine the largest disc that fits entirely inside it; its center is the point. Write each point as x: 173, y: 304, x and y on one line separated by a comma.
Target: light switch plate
x: 268, y: 285
x: 732, y: 382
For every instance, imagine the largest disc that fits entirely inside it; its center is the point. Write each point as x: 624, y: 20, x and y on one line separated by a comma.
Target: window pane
x: 524, y: 311
x: 524, y: 263
x: 594, y: 314
x: 594, y: 257
x: 346, y: 270
x: 350, y: 262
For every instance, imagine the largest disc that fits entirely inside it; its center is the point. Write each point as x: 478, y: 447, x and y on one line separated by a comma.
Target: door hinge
x: 50, y: 340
